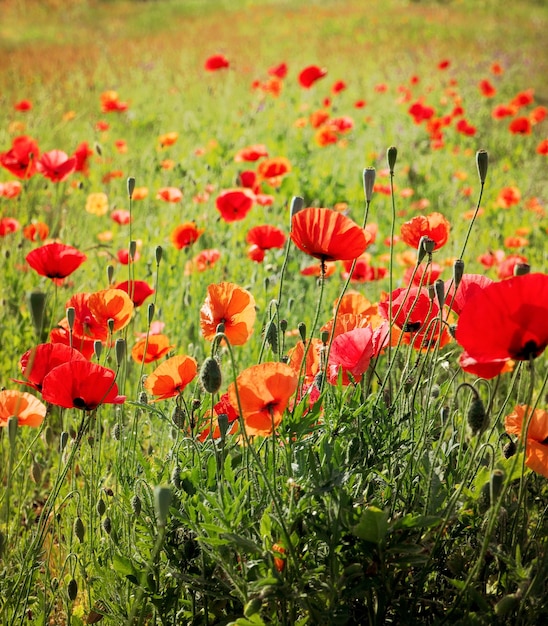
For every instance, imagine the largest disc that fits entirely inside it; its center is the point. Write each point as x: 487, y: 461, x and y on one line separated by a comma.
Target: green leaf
x: 373, y: 525
x: 242, y: 542
x: 416, y: 521
x: 125, y: 567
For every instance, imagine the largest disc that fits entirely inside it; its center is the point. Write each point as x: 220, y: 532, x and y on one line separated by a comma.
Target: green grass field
x: 236, y: 447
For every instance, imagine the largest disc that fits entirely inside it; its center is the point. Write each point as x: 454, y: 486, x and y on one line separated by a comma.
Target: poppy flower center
x: 411, y: 327
x: 79, y: 403
x: 530, y: 350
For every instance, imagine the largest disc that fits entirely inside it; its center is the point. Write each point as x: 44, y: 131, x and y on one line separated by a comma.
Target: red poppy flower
x: 232, y: 306
x: 420, y: 112
x: 538, y: 115
x: 223, y: 407
x: 55, y: 260
x: 263, y: 238
x: 444, y: 64
x: 520, y: 126
x: 204, y: 260
x: 216, y: 62
x: 328, y: 235
x: 37, y: 231
x: 523, y: 98
x: 82, y: 154
x: 503, y: 110
x: 110, y: 103
x: 338, y: 86
x: 170, y: 194
x: 8, y: 225
x: 234, y: 204
x: 309, y: 75
x: 151, y: 348
x: 61, y: 335
x: 23, y: 105
x: 251, y: 153
x: 37, y: 362
x: 325, y: 271
x: 508, y: 196
x: 171, y: 377
x: 506, y: 320
x: 435, y: 226
x: 273, y: 169
x: 507, y: 266
x: 363, y: 272
x: 280, y: 70
x: 264, y: 391
x: 138, y: 290
x: 542, y: 148
x: 350, y: 352
x: 424, y: 275
x: 56, y: 165
x: 28, y: 409
x: 10, y: 189
x: 250, y: 180
x: 81, y: 385
x: 185, y: 235
x: 487, y: 88
x: 468, y: 286
x: 486, y: 370
x: 21, y: 159
x: 412, y: 309
x: 536, y: 435
x: 121, y: 216
x: 465, y: 128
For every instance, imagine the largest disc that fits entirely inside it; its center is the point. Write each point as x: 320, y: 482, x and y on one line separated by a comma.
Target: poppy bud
x: 477, y: 417
x: 120, y: 349
x: 222, y: 420
x: 162, y: 501
x: 71, y: 316
x: 283, y: 325
x: 159, y: 253
x: 132, y: 249
x: 107, y: 525
x: 178, y: 417
x: 78, y: 529
x: 116, y: 431
x: 431, y: 292
x: 48, y: 435
x: 110, y: 325
x: 98, y: 149
x: 482, y: 162
x: 324, y: 337
x: 13, y: 422
x: 101, y: 507
x: 439, y: 286
x: 210, y: 375
x: 35, y: 472
x: 297, y: 203
x: 110, y: 274
x: 509, y: 449
x: 175, y: 477
x: 72, y: 589
x: 220, y: 328
x: 272, y: 336
x: 484, y: 499
x: 426, y: 246
x: 97, y: 348
x: 496, y: 483
x: 302, y: 330
x: 136, y: 505
x: 391, y: 156
x: 37, y: 306
x: 150, y: 313
x: 368, y: 182
x: 520, y: 269
x: 130, y: 186
x: 458, y: 271
x: 63, y: 439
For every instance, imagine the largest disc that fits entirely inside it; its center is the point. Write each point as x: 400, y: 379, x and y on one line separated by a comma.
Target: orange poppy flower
x: 185, y: 235
x: 36, y: 231
x: 171, y: 377
x: 168, y: 139
x: 10, y: 189
x: 251, y: 153
x: 203, y: 261
x: 328, y: 235
x: 312, y: 365
x: 508, y: 196
x: 542, y: 147
x: 272, y: 170
x: 356, y: 303
x: 170, y: 194
x: 112, y: 304
x: 264, y: 391
x: 435, y: 226
x: 28, y: 409
x: 232, y: 306
x: 536, y: 437
x: 153, y: 349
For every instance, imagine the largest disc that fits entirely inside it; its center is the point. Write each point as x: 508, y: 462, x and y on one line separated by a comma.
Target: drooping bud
x: 283, y: 325
x: 136, y: 505
x: 79, y: 529
x: 175, y: 477
x: 101, y: 507
x: 162, y: 501
x: 391, y: 157
x: 368, y: 182
x: 509, y: 449
x: 98, y: 149
x: 477, y: 417
x: 178, y: 417
x: 63, y: 440
x: 72, y: 589
x: 210, y: 375
x: 107, y: 525
x: 130, y: 186
x: 482, y: 163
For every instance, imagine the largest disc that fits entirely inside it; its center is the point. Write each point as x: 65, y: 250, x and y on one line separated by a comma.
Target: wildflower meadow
x: 274, y: 313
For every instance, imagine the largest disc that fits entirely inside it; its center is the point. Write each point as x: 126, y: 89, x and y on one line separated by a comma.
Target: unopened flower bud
x: 97, y: 348
x: 13, y: 423
x: 120, y: 349
x: 297, y: 203
x: 110, y: 274
x: 162, y: 501
x: 324, y: 337
x: 71, y: 316
x: 178, y: 417
x: 130, y: 186
x: 477, y: 418
x: 101, y: 507
x: 520, y: 269
x: 458, y: 271
x: 283, y: 325
x: 439, y: 286
x: 136, y: 505
x: 110, y: 325
x: 37, y: 306
x: 63, y: 440
x: 302, y: 330
x: 98, y: 149
x: 78, y: 529
x: 132, y: 249
x: 175, y: 477
x: 222, y: 420
x: 509, y: 449
x: 426, y: 246
x: 497, y: 481
x: 72, y: 589
x: 368, y: 182
x: 391, y: 156
x: 107, y: 525
x: 210, y: 375
x: 159, y: 254
x: 482, y: 162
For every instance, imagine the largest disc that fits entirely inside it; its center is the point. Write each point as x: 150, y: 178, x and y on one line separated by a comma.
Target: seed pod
x: 130, y: 186
x: 482, y: 163
x: 78, y: 529
x: 368, y: 182
x: 72, y: 589
x: 210, y: 375
x: 107, y: 525
x: 391, y: 157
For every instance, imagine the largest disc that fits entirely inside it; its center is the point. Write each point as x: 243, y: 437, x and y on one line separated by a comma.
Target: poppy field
x: 274, y: 313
